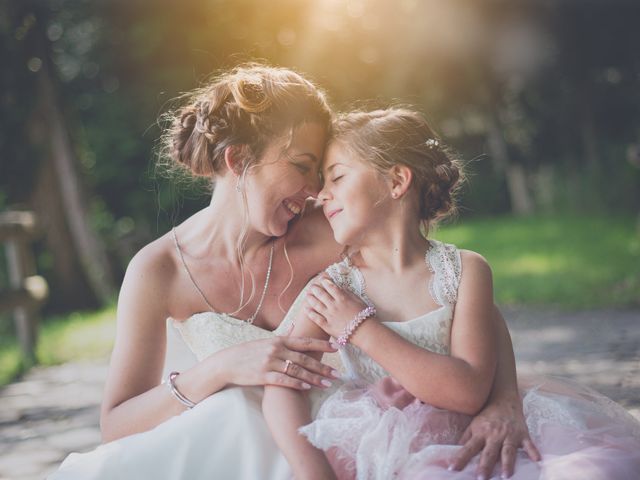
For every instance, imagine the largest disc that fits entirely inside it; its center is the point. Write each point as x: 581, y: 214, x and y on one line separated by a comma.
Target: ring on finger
x: 287, y: 364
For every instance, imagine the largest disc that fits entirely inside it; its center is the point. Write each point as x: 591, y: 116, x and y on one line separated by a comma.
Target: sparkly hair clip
x: 432, y: 143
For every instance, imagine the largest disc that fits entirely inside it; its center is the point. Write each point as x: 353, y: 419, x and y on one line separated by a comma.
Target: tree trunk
x: 89, y: 247
x: 57, y: 194
x: 587, y: 126
x: 515, y: 175
x: 69, y: 285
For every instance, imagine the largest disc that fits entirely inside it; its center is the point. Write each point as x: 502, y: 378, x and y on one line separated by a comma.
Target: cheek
x: 365, y: 194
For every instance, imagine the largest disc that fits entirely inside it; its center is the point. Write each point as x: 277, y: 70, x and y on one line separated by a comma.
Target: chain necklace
x: 264, y: 290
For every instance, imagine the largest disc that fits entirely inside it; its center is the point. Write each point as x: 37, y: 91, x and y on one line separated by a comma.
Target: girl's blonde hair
x: 400, y: 136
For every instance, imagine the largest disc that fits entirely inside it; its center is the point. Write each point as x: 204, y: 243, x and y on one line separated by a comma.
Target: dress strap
x: 186, y: 269
x: 341, y: 274
x: 444, y: 262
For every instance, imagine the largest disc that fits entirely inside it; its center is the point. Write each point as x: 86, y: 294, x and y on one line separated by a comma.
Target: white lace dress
x: 371, y: 428
x: 223, y: 437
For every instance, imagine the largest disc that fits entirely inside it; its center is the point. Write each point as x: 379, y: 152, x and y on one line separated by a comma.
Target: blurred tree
x: 549, y: 89
x: 81, y: 268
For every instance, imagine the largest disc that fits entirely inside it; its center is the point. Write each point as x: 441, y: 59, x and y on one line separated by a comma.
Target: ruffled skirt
x: 382, y: 432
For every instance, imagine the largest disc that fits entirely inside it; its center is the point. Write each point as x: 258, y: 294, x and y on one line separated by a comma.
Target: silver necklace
x: 264, y: 290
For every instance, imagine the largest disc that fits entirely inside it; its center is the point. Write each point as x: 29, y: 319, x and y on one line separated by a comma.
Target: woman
x: 259, y: 133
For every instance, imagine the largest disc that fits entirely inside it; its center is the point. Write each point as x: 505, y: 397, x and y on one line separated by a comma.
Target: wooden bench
x: 27, y: 291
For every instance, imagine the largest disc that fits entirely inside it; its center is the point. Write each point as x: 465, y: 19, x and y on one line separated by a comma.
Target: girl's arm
x: 286, y: 410
x: 460, y: 381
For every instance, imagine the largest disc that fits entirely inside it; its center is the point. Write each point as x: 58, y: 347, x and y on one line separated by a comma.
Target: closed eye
x: 302, y: 167
x: 335, y: 179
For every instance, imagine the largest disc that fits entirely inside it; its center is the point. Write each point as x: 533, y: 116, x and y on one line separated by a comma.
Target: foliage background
x: 547, y: 89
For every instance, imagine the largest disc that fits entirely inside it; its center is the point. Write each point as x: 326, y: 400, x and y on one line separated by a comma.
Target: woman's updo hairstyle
x: 249, y: 106
x: 399, y: 136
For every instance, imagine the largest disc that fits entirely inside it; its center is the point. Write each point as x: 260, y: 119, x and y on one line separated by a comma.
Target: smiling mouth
x: 292, y: 207
x: 333, y: 213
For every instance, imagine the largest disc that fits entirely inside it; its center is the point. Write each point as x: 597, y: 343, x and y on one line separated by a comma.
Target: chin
x: 278, y: 230
x: 341, y: 238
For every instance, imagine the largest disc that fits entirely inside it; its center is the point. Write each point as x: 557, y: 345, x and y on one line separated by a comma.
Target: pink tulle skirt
x: 382, y: 432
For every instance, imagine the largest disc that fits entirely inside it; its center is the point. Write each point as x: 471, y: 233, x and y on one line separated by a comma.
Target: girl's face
x: 354, y: 197
x: 279, y: 185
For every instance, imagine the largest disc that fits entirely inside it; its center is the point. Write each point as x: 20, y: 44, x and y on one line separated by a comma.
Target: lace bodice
x: 208, y: 332
x: 431, y: 331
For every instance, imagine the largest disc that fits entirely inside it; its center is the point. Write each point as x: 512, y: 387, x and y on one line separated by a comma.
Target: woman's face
x: 354, y: 196
x: 284, y: 178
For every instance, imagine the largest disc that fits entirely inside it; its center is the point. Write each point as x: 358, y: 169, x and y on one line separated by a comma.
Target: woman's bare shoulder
x: 156, y: 258
x: 151, y: 273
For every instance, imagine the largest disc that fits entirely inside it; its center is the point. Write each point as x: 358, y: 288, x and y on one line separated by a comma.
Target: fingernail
x: 481, y: 477
x: 335, y: 373
x: 306, y: 386
x: 450, y: 468
x: 326, y: 383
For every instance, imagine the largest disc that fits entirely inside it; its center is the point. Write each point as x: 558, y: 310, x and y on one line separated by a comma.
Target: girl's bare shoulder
x: 473, y: 259
x: 475, y: 268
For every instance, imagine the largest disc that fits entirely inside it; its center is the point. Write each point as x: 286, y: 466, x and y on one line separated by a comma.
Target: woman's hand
x: 498, y: 431
x: 279, y: 361
x: 331, y: 307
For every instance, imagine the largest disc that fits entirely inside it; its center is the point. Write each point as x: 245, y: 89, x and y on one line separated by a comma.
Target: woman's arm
x: 287, y: 410
x: 460, y: 381
x: 135, y: 401
x: 500, y: 428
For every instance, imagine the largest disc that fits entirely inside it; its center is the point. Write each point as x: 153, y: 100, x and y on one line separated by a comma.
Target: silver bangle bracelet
x: 176, y: 393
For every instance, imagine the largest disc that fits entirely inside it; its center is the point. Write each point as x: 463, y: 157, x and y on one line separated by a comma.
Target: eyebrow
x: 307, y: 154
x: 330, y: 167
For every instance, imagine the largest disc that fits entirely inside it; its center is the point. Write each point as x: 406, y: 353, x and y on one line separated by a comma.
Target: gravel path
x: 55, y: 410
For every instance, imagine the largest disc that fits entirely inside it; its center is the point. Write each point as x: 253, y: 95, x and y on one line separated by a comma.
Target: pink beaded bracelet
x: 360, y: 317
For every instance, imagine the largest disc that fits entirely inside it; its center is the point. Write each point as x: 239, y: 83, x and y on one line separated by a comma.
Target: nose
x: 324, y: 195
x: 313, y: 186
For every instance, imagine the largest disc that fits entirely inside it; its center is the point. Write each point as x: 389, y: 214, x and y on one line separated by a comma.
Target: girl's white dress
x: 371, y: 428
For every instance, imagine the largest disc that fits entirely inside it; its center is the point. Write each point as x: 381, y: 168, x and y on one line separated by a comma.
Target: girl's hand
x: 331, y: 307
x: 278, y: 361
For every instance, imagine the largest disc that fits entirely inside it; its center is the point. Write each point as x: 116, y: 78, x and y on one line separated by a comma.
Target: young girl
x: 413, y: 320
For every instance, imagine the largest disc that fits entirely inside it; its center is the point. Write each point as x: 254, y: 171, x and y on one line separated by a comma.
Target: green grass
x: 11, y: 364
x: 77, y: 336
x: 565, y: 262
